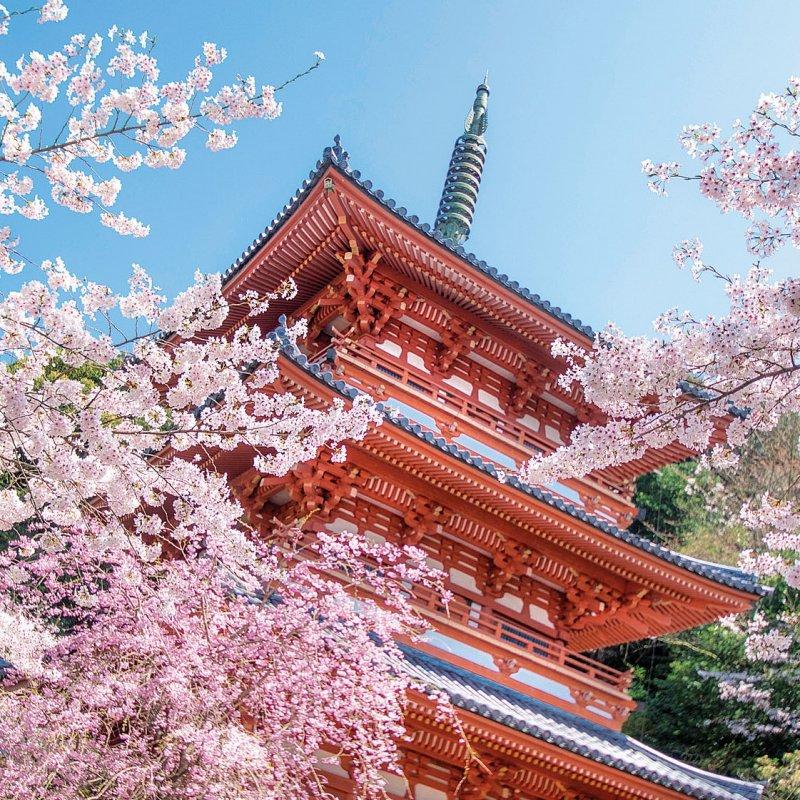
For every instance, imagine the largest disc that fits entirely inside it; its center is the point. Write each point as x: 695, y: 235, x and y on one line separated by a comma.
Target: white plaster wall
x: 459, y: 383
x: 392, y: 348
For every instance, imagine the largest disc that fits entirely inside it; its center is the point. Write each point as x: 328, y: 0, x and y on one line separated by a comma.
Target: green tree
x: 675, y: 681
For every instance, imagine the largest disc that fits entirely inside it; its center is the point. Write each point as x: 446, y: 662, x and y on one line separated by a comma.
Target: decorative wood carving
x: 486, y: 777
x: 421, y: 518
x: 590, y: 602
x: 317, y: 486
x: 326, y: 308
x: 369, y: 300
x: 253, y: 490
x: 506, y: 666
x: 512, y: 559
x: 529, y: 382
x: 458, y: 339
x: 588, y: 698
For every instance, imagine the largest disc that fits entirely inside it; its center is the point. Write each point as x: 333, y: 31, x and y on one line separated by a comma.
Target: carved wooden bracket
x: 325, y: 309
x: 590, y: 415
x: 486, y: 777
x: 421, y: 518
x: 253, y: 490
x: 317, y: 486
x: 458, y: 338
x: 505, y: 665
x: 587, y: 698
x: 366, y: 300
x: 511, y: 560
x: 529, y: 382
x: 369, y: 301
x: 589, y: 602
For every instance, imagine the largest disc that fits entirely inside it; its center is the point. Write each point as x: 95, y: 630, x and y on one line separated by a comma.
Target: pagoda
x: 460, y: 357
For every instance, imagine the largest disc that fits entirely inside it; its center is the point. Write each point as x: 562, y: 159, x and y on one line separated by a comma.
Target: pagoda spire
x: 460, y: 193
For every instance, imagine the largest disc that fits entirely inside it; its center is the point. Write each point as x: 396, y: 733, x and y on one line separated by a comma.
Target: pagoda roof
x: 337, y: 158
x: 411, y: 249
x: 529, y: 716
x: 719, y: 573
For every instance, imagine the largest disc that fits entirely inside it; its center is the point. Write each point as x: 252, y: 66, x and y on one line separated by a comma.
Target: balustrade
x: 483, y: 619
x: 596, y: 499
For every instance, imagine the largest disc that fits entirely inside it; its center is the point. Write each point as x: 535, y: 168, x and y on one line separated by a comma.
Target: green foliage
x: 675, y: 678
x: 680, y: 711
x: 668, y: 515
x: 783, y: 776
x: 90, y: 375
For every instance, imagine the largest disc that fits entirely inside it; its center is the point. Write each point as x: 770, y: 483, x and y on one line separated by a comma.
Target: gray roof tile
x: 728, y: 576
x: 338, y: 158
x: 572, y: 733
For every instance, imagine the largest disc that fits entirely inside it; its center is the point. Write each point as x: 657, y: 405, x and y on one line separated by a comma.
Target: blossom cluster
x: 690, y: 251
x: 156, y: 639
x: 753, y: 171
x: 709, y: 383
x: 106, y: 132
x: 155, y: 642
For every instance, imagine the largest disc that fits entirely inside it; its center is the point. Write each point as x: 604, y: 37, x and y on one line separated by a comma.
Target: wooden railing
x: 483, y: 415
x: 607, y: 502
x: 483, y: 619
x: 596, y: 691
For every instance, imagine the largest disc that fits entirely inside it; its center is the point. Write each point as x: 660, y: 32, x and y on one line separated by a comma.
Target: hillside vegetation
x: 696, y: 511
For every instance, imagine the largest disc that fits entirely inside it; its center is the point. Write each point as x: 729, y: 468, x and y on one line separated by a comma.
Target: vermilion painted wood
x: 404, y: 318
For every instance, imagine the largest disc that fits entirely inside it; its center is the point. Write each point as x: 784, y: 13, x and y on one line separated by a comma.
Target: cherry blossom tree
x: 153, y: 643
x: 709, y: 383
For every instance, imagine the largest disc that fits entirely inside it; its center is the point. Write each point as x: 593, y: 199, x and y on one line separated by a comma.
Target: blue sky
x: 581, y: 93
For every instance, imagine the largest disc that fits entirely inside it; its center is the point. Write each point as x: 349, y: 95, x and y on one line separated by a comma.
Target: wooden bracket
x: 317, y: 486
x: 421, y: 518
x: 530, y: 381
x: 487, y: 776
x: 589, y: 602
x: 511, y: 560
x: 253, y: 490
x: 590, y: 415
x: 368, y: 301
x: 458, y: 339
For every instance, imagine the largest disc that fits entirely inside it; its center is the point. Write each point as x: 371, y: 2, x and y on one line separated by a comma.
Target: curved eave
x: 555, y: 729
x: 517, y: 300
x: 721, y: 575
x: 335, y: 161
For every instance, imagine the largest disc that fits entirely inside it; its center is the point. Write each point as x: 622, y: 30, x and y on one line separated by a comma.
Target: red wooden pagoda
x: 460, y: 356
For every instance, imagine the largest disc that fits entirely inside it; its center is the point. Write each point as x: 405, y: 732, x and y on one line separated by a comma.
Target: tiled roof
x: 569, y: 732
x: 338, y: 158
x: 728, y: 576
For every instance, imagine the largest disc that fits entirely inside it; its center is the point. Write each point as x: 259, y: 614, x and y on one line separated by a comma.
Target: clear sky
x: 581, y: 93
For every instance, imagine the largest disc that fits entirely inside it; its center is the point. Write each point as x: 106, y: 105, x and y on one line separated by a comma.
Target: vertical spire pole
x: 460, y: 193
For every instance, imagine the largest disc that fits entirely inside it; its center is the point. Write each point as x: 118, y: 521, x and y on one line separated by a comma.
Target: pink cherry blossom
x: 127, y: 226
x: 219, y: 139
x: 134, y: 121
x: 53, y: 11
x: 161, y: 642
x: 179, y: 671
x: 710, y: 382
